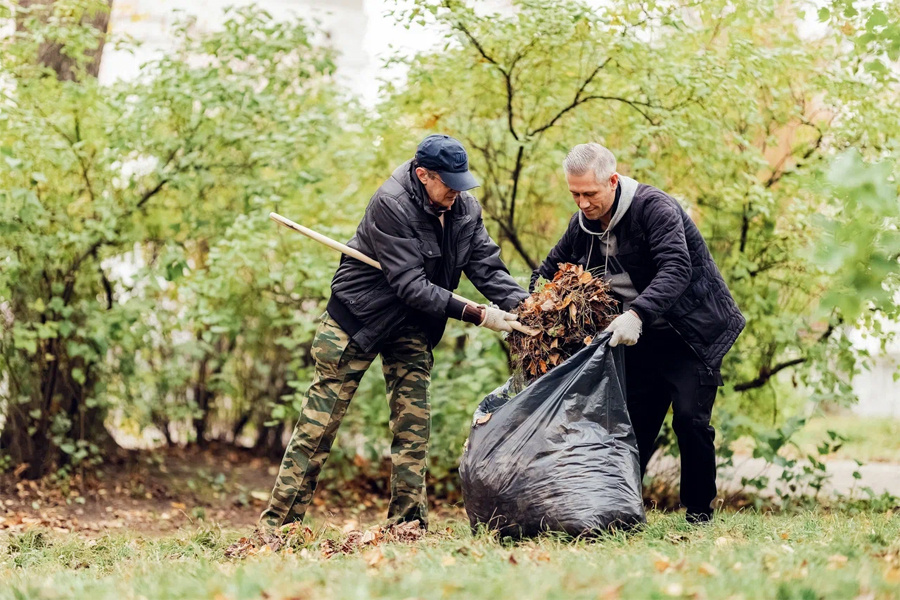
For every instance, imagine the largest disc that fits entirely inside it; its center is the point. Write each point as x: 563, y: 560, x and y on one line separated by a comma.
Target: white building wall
x: 150, y: 23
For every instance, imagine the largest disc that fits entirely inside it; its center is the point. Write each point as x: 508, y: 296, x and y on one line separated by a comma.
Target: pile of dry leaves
x: 295, y: 535
x: 567, y: 312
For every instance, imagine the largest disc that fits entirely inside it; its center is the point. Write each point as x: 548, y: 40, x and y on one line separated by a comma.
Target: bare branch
x: 766, y: 372
x: 576, y: 101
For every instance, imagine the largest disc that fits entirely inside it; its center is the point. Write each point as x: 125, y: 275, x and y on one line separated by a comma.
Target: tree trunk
x: 50, y: 53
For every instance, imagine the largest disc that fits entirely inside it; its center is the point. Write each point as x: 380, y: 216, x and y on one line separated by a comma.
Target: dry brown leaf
x: 611, y: 592
x: 707, y: 569
x: 662, y: 563
x: 567, y: 313
x: 374, y: 557
x: 540, y: 556
x: 483, y: 419
x: 837, y: 561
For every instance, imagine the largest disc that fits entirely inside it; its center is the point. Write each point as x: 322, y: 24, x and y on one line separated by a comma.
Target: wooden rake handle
x: 352, y: 252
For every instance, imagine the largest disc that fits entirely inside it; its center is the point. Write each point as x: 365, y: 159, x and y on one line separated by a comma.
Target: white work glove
x: 626, y: 329
x: 496, y: 319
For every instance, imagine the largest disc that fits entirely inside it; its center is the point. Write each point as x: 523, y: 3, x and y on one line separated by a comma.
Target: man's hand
x: 626, y: 329
x: 496, y: 319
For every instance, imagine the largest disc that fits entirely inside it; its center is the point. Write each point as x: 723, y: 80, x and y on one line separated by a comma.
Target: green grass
x: 743, y: 555
x: 869, y: 439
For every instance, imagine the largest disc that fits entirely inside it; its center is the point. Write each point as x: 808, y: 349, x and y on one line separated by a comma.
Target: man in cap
x: 425, y: 230
x: 678, y: 318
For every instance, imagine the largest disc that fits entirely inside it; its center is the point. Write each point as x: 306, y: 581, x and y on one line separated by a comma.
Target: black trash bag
x: 559, y: 456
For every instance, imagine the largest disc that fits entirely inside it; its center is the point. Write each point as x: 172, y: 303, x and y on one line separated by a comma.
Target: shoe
x: 699, y: 518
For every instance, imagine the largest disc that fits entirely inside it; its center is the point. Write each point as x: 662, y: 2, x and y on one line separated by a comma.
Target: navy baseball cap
x: 447, y: 157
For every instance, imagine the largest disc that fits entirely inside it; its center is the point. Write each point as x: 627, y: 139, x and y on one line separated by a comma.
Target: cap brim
x: 459, y: 181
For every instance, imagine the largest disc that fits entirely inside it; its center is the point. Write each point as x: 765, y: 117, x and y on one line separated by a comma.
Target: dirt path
x: 880, y: 477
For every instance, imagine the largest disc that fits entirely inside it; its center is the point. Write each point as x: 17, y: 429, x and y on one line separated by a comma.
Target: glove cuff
x: 474, y: 314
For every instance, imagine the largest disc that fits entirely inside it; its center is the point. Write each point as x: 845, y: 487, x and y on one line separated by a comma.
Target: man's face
x: 439, y: 194
x: 594, y: 198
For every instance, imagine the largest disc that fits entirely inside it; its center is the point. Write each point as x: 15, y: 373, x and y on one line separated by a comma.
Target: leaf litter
x: 296, y: 536
x: 568, y: 312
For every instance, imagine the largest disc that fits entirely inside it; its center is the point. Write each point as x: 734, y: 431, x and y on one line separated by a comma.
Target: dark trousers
x: 661, y: 370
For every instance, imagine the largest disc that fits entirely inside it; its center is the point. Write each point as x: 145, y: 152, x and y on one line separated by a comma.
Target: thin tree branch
x: 577, y: 100
x: 766, y: 372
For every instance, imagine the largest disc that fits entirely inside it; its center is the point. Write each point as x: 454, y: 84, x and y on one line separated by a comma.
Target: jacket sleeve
x: 664, y: 229
x: 563, y: 251
x: 402, y: 263
x: 488, y: 273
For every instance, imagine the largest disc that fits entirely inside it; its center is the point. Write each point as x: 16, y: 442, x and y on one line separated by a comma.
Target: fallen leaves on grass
x: 263, y: 542
x: 408, y: 532
x: 567, y: 312
x: 295, y: 536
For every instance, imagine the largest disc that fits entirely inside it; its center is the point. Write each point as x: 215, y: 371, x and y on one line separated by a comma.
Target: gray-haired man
x: 679, y: 318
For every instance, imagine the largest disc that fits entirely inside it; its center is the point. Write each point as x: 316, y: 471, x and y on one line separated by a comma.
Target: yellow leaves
x: 662, y: 563
x: 892, y: 575
x: 707, y: 569
x: 431, y: 121
x: 588, y: 339
x: 540, y: 555
x: 585, y: 277
x: 837, y: 561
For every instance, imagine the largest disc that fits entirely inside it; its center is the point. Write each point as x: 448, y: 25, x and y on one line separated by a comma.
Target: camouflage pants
x: 340, y: 365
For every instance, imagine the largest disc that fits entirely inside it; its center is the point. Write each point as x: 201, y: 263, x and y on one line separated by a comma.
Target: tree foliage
x: 737, y: 109
x: 143, y: 289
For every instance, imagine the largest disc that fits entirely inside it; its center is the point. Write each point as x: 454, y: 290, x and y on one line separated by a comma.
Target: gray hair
x: 590, y: 157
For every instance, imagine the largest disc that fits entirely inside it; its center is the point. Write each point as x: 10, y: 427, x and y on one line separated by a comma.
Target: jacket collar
x: 405, y: 175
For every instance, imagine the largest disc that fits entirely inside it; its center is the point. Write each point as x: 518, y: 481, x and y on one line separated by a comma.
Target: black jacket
x: 671, y: 268
x: 421, y: 262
